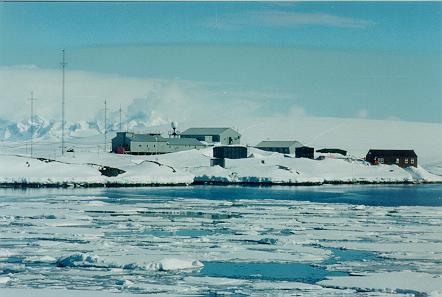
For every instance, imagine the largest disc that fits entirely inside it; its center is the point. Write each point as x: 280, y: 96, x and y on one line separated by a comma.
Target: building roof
x: 332, y: 151
x: 392, y: 153
x: 146, y: 138
x: 184, y: 141
x: 205, y: 131
x: 283, y: 143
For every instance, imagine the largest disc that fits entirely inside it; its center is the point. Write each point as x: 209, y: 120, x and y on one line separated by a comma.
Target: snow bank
x: 4, y: 280
x: 421, y: 175
x: 390, y: 282
x: 60, y: 293
x: 176, y: 264
x: 194, y: 166
x: 78, y: 260
x: 89, y: 260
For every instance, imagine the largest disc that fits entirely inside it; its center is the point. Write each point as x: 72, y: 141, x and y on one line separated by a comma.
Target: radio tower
x: 120, y: 118
x: 32, y: 99
x: 63, y: 66
x: 105, y: 125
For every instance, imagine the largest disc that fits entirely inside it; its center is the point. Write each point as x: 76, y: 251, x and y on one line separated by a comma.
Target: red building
x: 401, y: 158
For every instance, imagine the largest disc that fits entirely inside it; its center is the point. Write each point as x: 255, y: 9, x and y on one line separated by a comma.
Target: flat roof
x: 184, y: 141
x: 205, y: 131
x: 279, y: 143
x: 146, y: 138
x: 397, y: 153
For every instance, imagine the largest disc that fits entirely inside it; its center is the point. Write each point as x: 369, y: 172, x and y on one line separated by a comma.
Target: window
x: 412, y: 160
x: 406, y: 160
x: 397, y: 160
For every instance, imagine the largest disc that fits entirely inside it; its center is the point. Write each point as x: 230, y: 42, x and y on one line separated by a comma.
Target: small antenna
x: 174, y: 126
x: 63, y: 66
x: 32, y: 99
x: 120, y: 118
x: 105, y: 125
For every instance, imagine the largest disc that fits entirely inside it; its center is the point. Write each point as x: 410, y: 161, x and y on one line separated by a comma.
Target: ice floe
x: 147, y: 241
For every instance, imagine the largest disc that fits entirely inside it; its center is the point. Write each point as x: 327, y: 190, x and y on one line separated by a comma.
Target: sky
x: 375, y: 60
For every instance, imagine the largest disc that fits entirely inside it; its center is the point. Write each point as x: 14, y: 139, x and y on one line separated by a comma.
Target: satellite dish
x: 174, y: 125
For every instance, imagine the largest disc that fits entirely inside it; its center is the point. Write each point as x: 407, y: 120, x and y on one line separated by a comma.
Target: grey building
x: 230, y: 152
x: 213, y: 135
x: 151, y: 144
x: 284, y: 147
x: 220, y: 153
x: 305, y: 152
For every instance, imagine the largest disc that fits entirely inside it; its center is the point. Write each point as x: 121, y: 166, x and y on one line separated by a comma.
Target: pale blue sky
x: 332, y: 59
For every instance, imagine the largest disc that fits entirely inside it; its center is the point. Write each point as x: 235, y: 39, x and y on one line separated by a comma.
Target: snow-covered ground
x: 354, y: 135
x: 82, y: 168
x: 145, y: 241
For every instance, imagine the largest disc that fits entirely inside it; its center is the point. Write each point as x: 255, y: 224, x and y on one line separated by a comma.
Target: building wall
x: 206, y: 138
x: 282, y: 150
x: 230, y: 152
x: 305, y: 152
x: 152, y: 148
x: 178, y: 148
x: 392, y: 160
x: 230, y: 136
x: 148, y: 147
x: 120, y: 140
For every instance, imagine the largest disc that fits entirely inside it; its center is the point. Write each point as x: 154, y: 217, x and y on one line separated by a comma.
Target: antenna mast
x: 63, y: 66
x: 120, y: 118
x: 32, y: 99
x: 105, y: 125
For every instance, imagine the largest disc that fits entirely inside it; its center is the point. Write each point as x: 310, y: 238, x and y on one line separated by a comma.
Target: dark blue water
x: 298, y: 272
x: 374, y: 195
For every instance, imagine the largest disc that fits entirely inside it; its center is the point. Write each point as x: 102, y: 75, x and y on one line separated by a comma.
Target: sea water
x: 208, y: 240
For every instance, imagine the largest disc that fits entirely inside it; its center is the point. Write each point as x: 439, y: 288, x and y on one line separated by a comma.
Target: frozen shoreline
x: 85, y: 169
x: 19, y: 185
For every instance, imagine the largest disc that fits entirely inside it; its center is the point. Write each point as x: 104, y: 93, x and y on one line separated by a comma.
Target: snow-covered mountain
x: 45, y: 129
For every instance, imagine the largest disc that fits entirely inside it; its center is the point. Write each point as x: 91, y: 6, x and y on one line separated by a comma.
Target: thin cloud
x: 154, y: 101
x: 280, y: 18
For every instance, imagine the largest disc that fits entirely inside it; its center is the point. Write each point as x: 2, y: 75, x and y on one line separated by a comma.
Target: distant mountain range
x: 50, y: 129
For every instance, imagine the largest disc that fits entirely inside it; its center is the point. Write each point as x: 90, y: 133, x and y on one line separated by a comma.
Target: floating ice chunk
x: 176, y: 264
x: 271, y: 241
x: 390, y: 282
x: 78, y: 260
x: 358, y: 207
x: 124, y: 283
x: 4, y: 253
x: 4, y: 280
x: 40, y: 259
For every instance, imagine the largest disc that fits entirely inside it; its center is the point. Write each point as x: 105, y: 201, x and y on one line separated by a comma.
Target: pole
x: 63, y: 66
x: 120, y: 119
x: 32, y: 119
x: 105, y: 125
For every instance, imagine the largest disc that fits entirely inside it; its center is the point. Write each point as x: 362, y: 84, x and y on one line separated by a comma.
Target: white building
x: 151, y: 144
